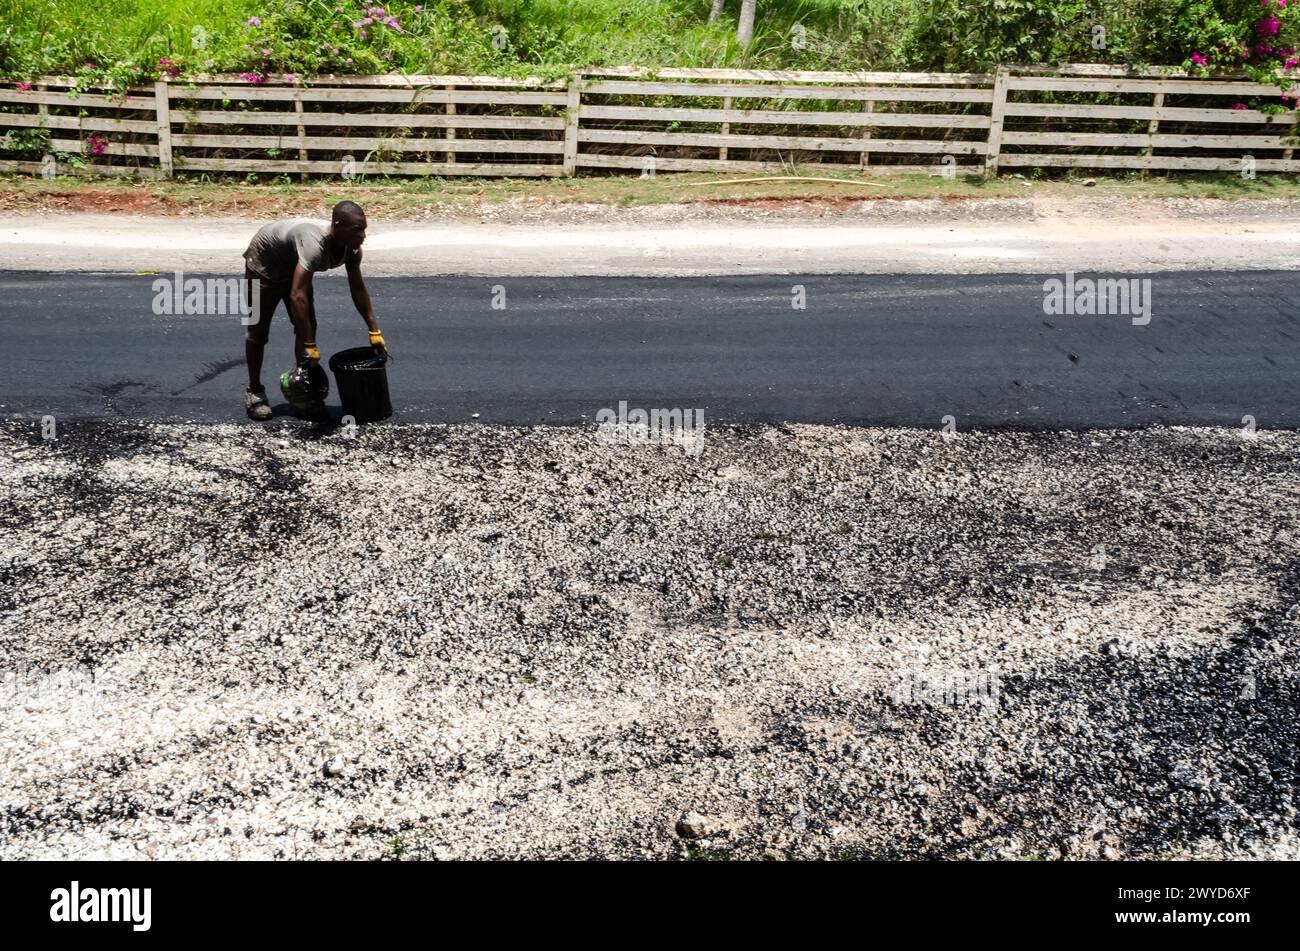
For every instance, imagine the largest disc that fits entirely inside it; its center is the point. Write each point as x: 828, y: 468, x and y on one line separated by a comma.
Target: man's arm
x: 361, y: 299
x: 360, y: 296
x: 300, y: 313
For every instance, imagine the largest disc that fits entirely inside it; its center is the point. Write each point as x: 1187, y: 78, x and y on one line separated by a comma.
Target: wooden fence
x: 669, y: 120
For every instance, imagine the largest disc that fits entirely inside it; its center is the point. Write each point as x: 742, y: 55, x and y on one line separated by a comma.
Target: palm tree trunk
x: 717, y: 9
x: 745, y: 32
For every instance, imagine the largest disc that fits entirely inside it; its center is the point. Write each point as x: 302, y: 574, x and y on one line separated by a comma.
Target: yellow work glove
x: 377, y: 340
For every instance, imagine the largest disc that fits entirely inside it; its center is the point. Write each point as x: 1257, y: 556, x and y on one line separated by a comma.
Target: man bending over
x: 283, y: 256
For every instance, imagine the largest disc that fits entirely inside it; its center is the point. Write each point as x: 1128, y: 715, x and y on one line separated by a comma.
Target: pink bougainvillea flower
x: 1240, y: 105
x: 1199, y: 60
x: 24, y: 87
x: 254, y: 21
x: 1268, y: 26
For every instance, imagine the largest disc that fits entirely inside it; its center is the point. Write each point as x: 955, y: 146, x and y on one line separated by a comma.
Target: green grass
x: 397, y: 198
x: 551, y: 36
x: 446, y: 36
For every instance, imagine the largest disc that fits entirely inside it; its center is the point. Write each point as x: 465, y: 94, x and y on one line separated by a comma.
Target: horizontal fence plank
x: 1099, y: 139
x: 786, y: 117
x: 595, y: 160
x: 1167, y: 86
x: 399, y: 120
x: 366, y: 168
x: 69, y: 81
x: 400, y: 80
x: 395, y: 96
x: 48, y: 98
x: 340, y: 143
x: 798, y: 143
x: 1172, y: 113
x: 88, y: 170
x: 722, y: 90
x: 63, y: 123
x: 1104, y: 69
x: 796, y: 76
x: 1170, y: 162
x: 111, y: 148
x: 1141, y: 140
x: 702, y: 72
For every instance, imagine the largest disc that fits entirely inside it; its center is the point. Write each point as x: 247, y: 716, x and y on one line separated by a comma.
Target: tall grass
x: 62, y: 35
x: 42, y: 36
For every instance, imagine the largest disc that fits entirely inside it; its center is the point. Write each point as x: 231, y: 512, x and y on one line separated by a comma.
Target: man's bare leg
x: 253, y: 353
x: 255, y: 402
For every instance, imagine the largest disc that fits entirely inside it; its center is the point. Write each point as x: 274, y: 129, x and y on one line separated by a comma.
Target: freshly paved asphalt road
x: 879, y: 349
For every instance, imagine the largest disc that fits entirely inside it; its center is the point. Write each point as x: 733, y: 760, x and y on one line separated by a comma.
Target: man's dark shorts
x: 269, y: 297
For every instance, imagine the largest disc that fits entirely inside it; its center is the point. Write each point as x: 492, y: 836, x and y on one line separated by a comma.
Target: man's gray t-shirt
x: 280, y: 245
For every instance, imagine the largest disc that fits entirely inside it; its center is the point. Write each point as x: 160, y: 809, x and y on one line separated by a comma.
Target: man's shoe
x: 255, y: 402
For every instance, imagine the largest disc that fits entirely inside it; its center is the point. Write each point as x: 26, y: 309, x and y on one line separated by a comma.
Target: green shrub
x: 135, y: 40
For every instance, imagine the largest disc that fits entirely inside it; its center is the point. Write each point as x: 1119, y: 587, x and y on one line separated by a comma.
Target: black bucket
x: 362, y: 377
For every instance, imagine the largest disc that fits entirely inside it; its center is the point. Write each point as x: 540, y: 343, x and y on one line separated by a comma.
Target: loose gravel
x: 814, y: 642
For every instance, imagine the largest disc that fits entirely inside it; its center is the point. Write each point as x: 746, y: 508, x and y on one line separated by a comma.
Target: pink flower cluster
x: 253, y: 78
x: 1260, y: 53
x: 97, y: 144
x: 165, y: 65
x: 375, y: 16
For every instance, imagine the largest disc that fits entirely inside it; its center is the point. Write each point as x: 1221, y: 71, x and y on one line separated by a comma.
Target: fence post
x: 726, y: 128
x: 163, y: 115
x: 1157, y: 104
x: 450, y: 134
x: 43, y: 109
x: 995, y: 121
x: 868, y: 107
x: 302, y: 130
x: 571, y: 126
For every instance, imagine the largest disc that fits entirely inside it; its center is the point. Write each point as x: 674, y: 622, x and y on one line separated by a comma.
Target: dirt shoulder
x: 225, y: 642
x: 677, y: 197
x: 913, y: 235
x: 675, y: 225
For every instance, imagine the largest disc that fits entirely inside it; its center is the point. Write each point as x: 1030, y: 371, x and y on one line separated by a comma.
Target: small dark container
x: 362, y: 377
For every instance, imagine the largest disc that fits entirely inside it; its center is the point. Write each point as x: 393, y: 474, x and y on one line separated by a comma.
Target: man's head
x: 348, y: 224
